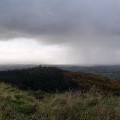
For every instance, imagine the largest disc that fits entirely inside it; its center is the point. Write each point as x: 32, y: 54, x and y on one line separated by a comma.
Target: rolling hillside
x: 54, y: 79
x: 111, y: 71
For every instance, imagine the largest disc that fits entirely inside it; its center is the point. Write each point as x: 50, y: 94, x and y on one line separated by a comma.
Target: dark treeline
x: 53, y: 79
x: 44, y: 78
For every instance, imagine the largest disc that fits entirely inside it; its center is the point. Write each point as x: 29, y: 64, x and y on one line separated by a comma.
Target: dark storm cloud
x: 90, y: 27
x: 28, y: 18
x: 35, y: 18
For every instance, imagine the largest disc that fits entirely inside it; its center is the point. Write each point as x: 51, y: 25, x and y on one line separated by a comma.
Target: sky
x: 77, y: 32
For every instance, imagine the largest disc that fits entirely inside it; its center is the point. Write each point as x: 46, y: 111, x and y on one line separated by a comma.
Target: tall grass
x: 73, y: 105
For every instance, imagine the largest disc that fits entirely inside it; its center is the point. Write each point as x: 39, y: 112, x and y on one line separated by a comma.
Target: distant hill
x: 54, y: 79
x: 16, y: 66
x: 44, y: 78
x: 112, y: 71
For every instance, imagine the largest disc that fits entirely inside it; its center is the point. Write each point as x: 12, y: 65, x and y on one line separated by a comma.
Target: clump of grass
x: 80, y: 106
x: 72, y: 105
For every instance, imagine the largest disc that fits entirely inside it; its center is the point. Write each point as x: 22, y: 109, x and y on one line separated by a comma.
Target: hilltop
x: 55, y: 79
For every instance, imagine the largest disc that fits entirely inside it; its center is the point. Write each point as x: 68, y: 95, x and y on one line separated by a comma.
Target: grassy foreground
x: 16, y: 104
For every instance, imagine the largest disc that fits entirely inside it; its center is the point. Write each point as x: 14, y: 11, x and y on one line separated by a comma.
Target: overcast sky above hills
x: 84, y: 32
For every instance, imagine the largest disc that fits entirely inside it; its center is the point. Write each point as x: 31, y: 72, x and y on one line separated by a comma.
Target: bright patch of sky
x: 28, y: 51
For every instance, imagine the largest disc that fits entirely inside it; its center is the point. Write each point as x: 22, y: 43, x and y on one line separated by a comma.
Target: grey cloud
x: 35, y: 17
x: 57, y: 17
x: 84, y: 25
